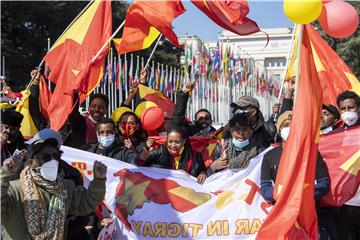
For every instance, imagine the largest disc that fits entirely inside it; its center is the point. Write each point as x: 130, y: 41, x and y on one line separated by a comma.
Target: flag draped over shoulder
x: 70, y: 60
x: 145, y: 20
x: 28, y: 128
x: 230, y: 15
x: 294, y: 211
x: 335, y: 76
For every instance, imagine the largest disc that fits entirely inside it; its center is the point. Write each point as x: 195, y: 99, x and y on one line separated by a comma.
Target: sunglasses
x: 46, y: 157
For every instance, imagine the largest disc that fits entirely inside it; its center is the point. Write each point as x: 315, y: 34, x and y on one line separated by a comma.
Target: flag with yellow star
x: 71, y: 59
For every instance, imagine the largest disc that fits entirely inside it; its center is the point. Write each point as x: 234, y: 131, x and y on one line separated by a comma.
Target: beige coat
x: 80, y: 201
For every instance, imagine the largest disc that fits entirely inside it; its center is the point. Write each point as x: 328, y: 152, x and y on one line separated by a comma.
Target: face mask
x: 106, y: 141
x: 93, y: 120
x: 326, y: 130
x: 49, y: 170
x: 240, y: 144
x: 285, y: 133
x: 350, y: 118
x: 127, y: 130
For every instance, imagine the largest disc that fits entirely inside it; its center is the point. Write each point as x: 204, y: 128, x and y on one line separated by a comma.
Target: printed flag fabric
x: 230, y: 15
x: 149, y: 203
x: 157, y: 97
x: 294, y: 211
x: 334, y: 75
x: 146, y: 42
x: 341, y: 152
x: 70, y: 60
x: 146, y: 19
x: 28, y: 128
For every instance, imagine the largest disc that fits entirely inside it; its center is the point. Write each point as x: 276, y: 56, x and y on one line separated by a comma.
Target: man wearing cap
x: 36, y: 205
x: 329, y: 119
x: 203, y: 119
x: 11, y: 137
x: 264, y: 132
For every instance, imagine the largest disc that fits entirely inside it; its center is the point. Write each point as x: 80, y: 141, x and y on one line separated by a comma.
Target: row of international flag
x: 234, y: 71
x: 323, y: 75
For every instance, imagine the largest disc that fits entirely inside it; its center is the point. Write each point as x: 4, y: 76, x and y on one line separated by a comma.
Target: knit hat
x: 287, y: 115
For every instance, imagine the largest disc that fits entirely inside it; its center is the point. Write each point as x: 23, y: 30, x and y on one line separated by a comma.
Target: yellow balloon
x: 302, y: 11
x: 143, y: 106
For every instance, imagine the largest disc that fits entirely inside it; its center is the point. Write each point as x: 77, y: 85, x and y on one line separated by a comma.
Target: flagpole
x: 287, y: 64
x: 108, y: 41
x: 297, y: 78
x: 153, y: 51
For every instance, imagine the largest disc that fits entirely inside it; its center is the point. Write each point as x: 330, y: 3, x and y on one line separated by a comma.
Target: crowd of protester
x: 43, y: 197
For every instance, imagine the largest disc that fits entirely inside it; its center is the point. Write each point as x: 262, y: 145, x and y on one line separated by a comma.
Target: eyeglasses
x: 46, y: 157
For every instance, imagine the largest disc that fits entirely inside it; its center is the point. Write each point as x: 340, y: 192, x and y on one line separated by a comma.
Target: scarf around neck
x: 43, y: 223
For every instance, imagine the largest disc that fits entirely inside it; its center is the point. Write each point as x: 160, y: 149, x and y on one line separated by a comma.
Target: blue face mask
x: 106, y: 141
x: 240, y: 145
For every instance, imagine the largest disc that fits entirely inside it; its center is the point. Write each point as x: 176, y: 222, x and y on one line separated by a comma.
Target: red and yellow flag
x: 70, y: 59
x: 293, y: 215
x: 157, y: 97
x: 335, y: 76
x: 28, y: 128
x: 145, y: 19
x: 341, y: 152
x: 230, y: 15
x: 146, y: 42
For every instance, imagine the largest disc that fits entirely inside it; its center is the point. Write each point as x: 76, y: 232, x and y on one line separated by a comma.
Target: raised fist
x: 100, y: 170
x: 11, y: 165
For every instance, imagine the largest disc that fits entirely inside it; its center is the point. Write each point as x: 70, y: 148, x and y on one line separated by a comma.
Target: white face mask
x: 284, y: 133
x: 326, y: 130
x: 106, y: 141
x: 49, y: 170
x: 350, y: 118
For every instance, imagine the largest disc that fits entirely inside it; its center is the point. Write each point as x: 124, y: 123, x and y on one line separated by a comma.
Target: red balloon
x: 339, y: 19
x: 152, y: 118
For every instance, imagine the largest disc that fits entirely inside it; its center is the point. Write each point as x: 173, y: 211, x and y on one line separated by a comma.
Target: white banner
x: 149, y: 203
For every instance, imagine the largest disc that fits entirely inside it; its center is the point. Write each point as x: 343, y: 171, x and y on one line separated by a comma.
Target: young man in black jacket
x: 108, y: 145
x: 203, y: 119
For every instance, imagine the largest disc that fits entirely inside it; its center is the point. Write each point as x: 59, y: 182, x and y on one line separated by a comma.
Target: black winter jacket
x: 179, y: 116
x: 190, y: 161
x: 115, y: 150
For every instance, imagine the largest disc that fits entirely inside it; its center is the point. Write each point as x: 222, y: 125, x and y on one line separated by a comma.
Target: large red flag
x: 293, y: 215
x: 142, y: 15
x: 341, y: 152
x: 335, y: 76
x: 70, y: 59
x: 230, y: 15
